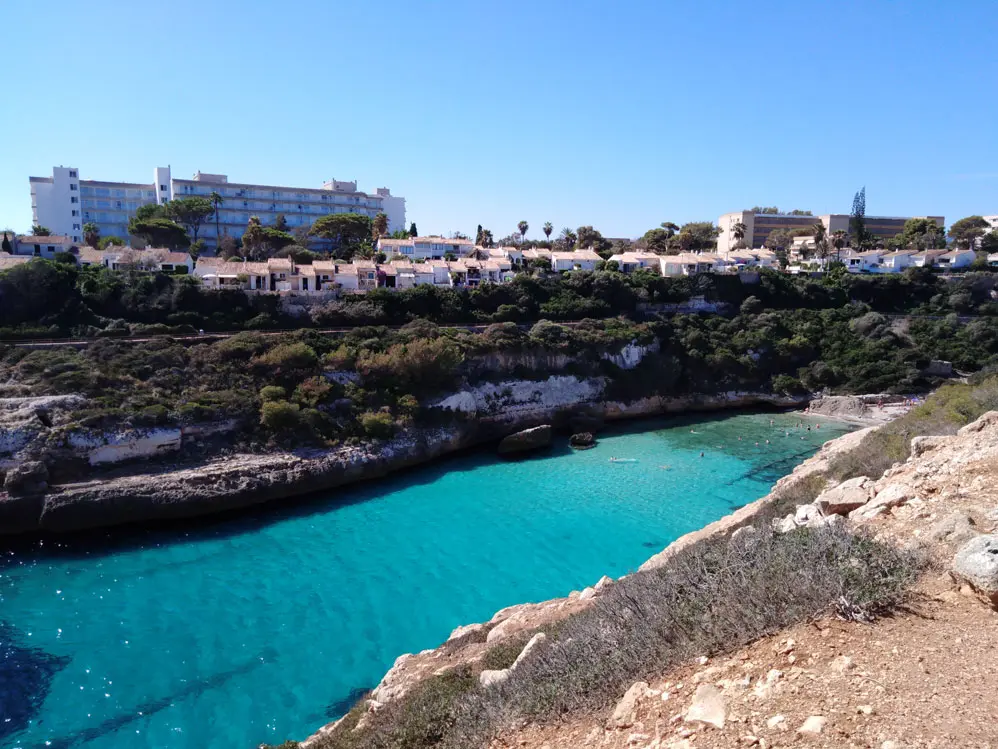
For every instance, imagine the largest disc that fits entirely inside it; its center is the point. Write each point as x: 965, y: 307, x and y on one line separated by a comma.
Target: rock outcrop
x: 977, y: 565
x: 528, y: 440
x: 30, y: 477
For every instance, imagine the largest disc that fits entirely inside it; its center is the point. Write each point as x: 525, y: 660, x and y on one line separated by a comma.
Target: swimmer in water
x: 757, y: 444
x: 701, y: 453
x: 771, y: 422
x: 767, y: 442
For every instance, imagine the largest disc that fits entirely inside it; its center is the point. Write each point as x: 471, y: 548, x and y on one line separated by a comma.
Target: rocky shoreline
x: 244, y: 480
x: 468, y: 643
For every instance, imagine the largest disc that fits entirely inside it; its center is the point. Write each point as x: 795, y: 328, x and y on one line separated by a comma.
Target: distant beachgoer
x: 757, y: 444
x: 701, y: 453
x: 771, y: 422
x: 809, y: 427
x: 817, y: 426
x: 767, y: 442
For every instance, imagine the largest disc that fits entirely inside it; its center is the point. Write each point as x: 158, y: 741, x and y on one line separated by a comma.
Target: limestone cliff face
x: 38, y: 430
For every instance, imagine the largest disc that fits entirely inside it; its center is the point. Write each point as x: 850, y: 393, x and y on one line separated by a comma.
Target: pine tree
x: 857, y: 222
x: 412, y: 230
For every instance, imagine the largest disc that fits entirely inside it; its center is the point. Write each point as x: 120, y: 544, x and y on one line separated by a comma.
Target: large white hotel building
x: 63, y: 202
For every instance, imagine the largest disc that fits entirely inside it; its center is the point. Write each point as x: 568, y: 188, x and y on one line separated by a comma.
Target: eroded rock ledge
x: 243, y: 480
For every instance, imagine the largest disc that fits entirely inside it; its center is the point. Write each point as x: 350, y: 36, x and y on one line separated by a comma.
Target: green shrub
x: 377, y: 424
x: 153, y: 416
x: 273, y: 393
x: 422, y: 365
x: 295, y: 355
x: 313, y: 391
x: 280, y: 416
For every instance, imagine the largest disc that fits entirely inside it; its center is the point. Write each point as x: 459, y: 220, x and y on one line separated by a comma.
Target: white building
x: 43, y: 246
x: 64, y: 202
x: 425, y: 248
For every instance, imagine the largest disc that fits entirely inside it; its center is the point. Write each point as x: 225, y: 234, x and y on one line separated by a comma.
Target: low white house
x: 425, y: 248
x: 863, y: 262
x: 742, y: 259
x: 895, y: 262
x: 927, y: 258
x: 956, y: 259
x: 689, y: 264
x: 577, y: 260
x: 628, y: 262
x: 42, y: 246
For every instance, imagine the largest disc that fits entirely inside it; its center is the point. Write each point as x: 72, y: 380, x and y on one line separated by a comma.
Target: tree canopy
x: 345, y: 230
x: 918, y: 234
x: 967, y: 231
x: 189, y: 212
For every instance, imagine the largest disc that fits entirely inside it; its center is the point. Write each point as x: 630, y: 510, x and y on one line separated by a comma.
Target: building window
x: 74, y: 211
x: 73, y: 200
x: 163, y: 188
x: 72, y: 186
x: 72, y: 173
x: 76, y: 226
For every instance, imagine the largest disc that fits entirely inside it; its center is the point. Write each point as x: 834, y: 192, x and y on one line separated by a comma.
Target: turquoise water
x: 261, y: 629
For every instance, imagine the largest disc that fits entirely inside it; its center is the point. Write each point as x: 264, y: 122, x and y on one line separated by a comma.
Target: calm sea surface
x: 262, y: 628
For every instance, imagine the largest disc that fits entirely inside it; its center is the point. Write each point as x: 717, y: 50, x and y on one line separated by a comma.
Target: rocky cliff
x: 154, y: 489
x: 824, y: 683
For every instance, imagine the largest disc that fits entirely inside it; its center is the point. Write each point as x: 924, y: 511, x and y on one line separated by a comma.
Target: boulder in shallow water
x: 582, y: 440
x: 535, y: 438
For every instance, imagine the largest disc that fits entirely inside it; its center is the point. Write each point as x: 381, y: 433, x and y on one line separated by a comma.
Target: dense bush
x: 280, y: 416
x: 64, y: 299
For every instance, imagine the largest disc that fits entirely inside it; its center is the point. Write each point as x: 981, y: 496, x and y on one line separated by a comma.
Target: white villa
x: 424, y: 248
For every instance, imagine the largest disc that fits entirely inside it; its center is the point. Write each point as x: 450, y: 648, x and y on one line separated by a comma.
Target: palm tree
x: 839, y: 241
x: 568, y: 237
x: 738, y: 232
x: 91, y: 234
x: 820, y: 240
x: 216, y: 200
x: 523, y: 226
x: 380, y: 225
x: 548, y: 228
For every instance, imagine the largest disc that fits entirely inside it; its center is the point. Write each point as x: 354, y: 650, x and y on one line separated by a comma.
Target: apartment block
x: 759, y: 225
x: 64, y: 202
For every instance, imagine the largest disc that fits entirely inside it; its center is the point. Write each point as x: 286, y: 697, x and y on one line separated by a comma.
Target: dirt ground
x: 925, y: 678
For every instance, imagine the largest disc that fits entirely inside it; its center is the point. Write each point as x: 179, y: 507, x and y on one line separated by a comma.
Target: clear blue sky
x: 620, y: 115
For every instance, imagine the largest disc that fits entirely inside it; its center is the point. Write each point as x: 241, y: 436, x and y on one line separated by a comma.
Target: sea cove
x: 263, y: 628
